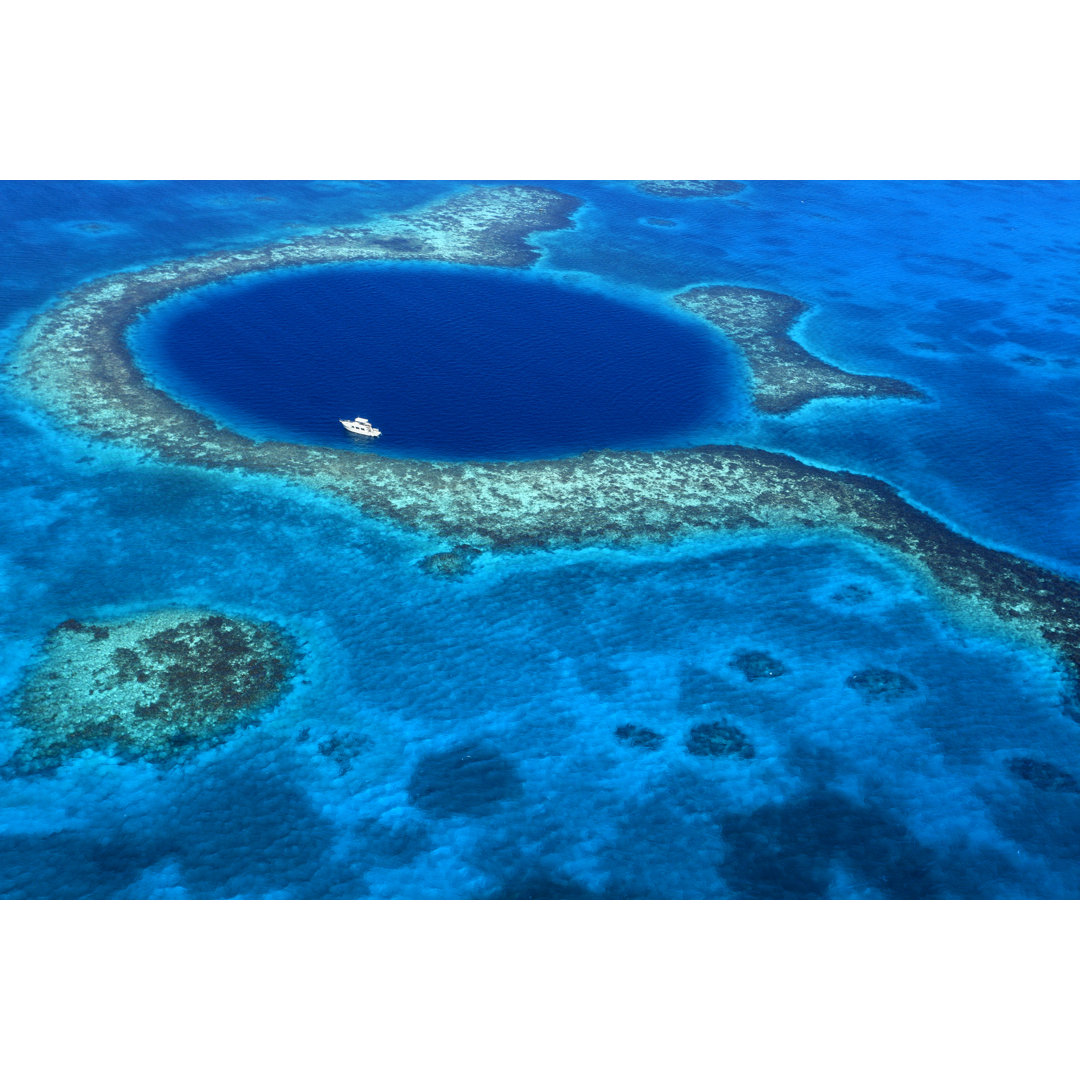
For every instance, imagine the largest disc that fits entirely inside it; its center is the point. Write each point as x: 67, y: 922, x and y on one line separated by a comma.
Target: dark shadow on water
x: 791, y: 851
x: 543, y: 889
x: 471, y: 778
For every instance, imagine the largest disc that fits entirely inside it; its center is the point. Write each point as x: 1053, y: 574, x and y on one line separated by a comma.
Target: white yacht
x: 360, y: 426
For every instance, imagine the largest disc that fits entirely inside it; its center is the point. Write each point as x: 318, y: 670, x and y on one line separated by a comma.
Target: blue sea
x: 540, y: 727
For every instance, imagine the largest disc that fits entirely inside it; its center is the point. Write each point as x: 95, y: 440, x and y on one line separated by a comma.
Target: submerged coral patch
x: 343, y: 747
x: 452, y: 564
x: 757, y: 665
x: 599, y: 677
x: 149, y: 687
x: 1043, y: 775
x: 880, y: 684
x: 689, y: 189
x: 852, y: 593
x: 640, y: 738
x: 717, y: 739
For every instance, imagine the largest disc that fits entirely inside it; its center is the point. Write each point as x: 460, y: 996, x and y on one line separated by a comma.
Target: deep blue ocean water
x: 529, y: 667
x: 448, y: 363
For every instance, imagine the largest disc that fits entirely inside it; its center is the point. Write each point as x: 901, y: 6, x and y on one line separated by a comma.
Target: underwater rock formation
x: 785, y: 375
x: 149, y: 687
x: 455, y: 563
x: 852, y: 593
x: 757, y: 665
x: 717, y: 739
x: 1043, y: 775
x: 641, y: 738
x: 878, y: 684
x: 342, y: 747
x: 689, y: 189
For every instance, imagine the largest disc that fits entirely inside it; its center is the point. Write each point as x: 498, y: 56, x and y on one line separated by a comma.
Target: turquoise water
x: 553, y: 725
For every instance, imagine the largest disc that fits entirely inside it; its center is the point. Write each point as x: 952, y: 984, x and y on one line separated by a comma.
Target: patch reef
x: 690, y: 189
x: 149, y: 687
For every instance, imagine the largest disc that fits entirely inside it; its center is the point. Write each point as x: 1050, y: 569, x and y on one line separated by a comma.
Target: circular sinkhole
x: 451, y: 364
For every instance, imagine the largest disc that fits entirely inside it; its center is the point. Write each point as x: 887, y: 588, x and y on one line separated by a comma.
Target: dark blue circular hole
x: 449, y: 363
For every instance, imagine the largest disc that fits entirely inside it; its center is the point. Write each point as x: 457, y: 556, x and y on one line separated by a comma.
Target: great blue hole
x: 450, y: 364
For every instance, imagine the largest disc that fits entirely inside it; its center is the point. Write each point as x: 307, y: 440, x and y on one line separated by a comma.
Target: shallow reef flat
x: 785, y: 375
x: 74, y: 361
x: 149, y: 687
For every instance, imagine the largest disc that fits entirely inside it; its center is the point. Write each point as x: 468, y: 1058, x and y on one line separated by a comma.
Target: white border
x: 574, y: 88
x: 927, y: 89
x: 539, y: 990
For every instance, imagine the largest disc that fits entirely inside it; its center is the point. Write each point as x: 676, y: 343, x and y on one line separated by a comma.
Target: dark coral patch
x: 689, y: 189
x: 852, y: 593
x: 471, y: 778
x: 538, y: 888
x: 641, y: 738
x: 342, y: 747
x: 1043, y: 775
x: 716, y: 739
x: 879, y: 684
x: 757, y: 665
x: 98, y: 633
x: 148, y: 687
x: 454, y: 563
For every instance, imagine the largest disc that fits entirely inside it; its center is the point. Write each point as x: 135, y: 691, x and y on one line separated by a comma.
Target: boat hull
x: 360, y: 427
